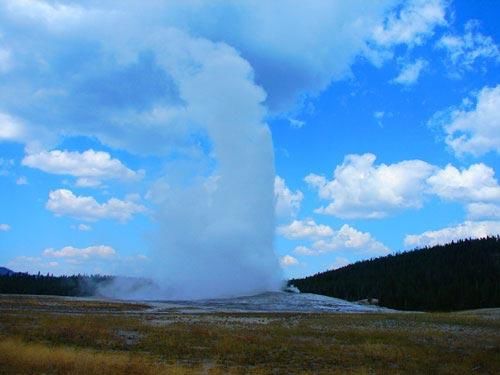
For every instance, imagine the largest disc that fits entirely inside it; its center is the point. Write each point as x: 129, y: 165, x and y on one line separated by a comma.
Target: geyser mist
x: 215, y: 211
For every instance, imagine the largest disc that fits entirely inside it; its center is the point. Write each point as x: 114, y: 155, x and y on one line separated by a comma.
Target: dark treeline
x: 76, y: 285
x: 457, y: 276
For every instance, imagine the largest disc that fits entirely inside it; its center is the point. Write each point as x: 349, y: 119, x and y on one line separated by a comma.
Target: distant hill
x: 5, y: 271
x: 457, y: 276
x: 75, y: 285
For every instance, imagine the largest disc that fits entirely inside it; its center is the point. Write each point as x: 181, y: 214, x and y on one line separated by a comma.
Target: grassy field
x: 59, y: 336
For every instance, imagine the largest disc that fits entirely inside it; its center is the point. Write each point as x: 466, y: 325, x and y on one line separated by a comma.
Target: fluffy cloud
x: 84, y: 227
x: 89, y: 166
x: 482, y: 211
x: 410, y: 73
x: 32, y: 264
x: 22, y: 181
x: 11, y: 129
x: 361, y: 189
x: 63, y: 202
x: 346, y: 238
x: 288, y: 260
x: 4, y: 227
x: 473, y: 129
x: 477, y: 183
x: 304, y: 229
x: 287, y: 202
x: 296, y: 124
x: 74, y: 252
x: 132, y: 80
x: 412, y: 24
x: 463, y: 51
x: 73, y: 260
x: 468, y: 229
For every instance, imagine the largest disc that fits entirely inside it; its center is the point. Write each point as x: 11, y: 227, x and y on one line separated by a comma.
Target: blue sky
x: 384, y: 117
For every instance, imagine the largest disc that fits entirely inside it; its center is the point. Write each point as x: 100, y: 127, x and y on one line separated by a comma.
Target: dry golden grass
x: 147, y: 343
x: 19, y: 357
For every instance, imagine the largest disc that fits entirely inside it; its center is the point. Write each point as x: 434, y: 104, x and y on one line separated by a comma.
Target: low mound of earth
x: 269, y: 302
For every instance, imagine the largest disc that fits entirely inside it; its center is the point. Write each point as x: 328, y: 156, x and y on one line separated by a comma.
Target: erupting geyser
x: 215, y: 211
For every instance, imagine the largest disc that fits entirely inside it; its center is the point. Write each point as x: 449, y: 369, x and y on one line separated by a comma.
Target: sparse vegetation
x: 122, y: 338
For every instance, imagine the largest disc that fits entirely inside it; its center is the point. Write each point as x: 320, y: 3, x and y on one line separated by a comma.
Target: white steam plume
x: 215, y: 226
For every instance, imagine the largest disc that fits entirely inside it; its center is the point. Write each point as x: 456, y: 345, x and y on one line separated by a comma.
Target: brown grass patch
x: 32, y: 341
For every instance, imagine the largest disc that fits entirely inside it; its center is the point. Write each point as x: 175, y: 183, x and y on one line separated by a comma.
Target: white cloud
x: 349, y: 238
x: 412, y: 24
x: 87, y: 252
x: 63, y: 202
x: 89, y: 166
x: 84, y: 227
x: 4, y: 227
x: 477, y: 183
x: 56, y: 16
x: 304, y: 250
x: 295, y: 123
x: 31, y: 264
x: 463, y: 51
x: 22, y: 181
x: 346, y: 238
x: 468, y: 229
x: 287, y: 202
x: 361, y: 189
x: 304, y: 229
x: 11, y: 129
x: 410, y: 73
x: 473, y: 130
x: 288, y: 260
x: 483, y: 211
x: 326, y: 42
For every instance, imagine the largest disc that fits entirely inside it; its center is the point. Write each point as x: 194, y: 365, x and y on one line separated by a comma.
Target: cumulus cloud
x: 411, y: 24
x: 361, y: 189
x: 63, y: 202
x: 346, y: 238
x: 288, y: 260
x: 74, y: 252
x: 483, y: 211
x: 468, y: 229
x: 84, y: 227
x: 287, y: 202
x: 22, y: 181
x: 89, y: 166
x: 465, y: 50
x: 11, y: 129
x: 4, y: 227
x: 138, y: 69
x: 410, y: 73
x: 473, y: 129
x: 304, y: 229
x: 32, y: 264
x: 476, y: 183
x: 295, y: 123
x: 96, y: 259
